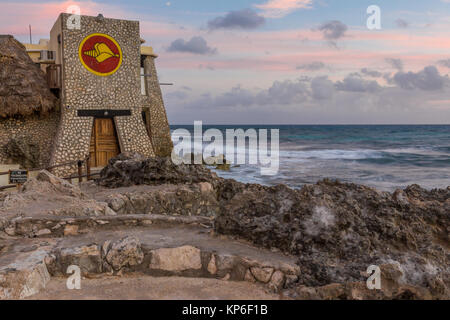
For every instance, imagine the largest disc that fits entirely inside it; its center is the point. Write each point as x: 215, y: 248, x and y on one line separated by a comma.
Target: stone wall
x: 159, y: 126
x: 28, y: 141
x: 85, y: 90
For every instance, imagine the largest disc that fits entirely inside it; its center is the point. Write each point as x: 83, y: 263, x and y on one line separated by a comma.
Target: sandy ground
x: 143, y: 287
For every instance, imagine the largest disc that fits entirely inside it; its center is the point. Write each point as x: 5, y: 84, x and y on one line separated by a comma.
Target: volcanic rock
x: 338, y: 229
x: 132, y: 169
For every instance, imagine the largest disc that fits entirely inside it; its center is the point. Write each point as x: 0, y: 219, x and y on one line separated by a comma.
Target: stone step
x: 57, y: 226
x: 154, y: 250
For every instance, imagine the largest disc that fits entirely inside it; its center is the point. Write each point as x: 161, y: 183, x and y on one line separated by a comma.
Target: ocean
x: 382, y: 156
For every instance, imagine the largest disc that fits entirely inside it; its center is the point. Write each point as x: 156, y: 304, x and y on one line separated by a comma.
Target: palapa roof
x: 23, y: 87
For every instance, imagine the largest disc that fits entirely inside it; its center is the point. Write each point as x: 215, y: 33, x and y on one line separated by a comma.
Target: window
x: 143, y: 88
x: 47, y: 55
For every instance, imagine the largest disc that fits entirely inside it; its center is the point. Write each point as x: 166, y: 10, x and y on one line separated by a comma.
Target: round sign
x: 100, y: 54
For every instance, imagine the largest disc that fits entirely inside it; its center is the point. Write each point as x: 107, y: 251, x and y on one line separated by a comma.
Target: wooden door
x: 104, y: 144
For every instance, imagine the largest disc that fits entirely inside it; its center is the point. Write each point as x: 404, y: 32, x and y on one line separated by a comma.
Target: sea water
x: 382, y: 156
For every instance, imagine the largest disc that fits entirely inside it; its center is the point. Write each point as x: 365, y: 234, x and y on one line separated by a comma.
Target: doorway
x: 104, y: 143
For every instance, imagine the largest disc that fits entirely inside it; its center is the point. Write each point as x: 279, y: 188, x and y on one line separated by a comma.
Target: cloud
x: 317, y: 90
x: 281, y: 8
x: 243, y: 19
x: 284, y: 92
x: 371, y: 73
x: 445, y: 63
x: 208, y: 67
x: 312, y: 89
x: 395, y: 63
x: 402, y: 23
x: 322, y: 88
x: 428, y: 79
x: 280, y: 93
x: 288, y: 92
x: 352, y: 99
x: 180, y: 95
x: 313, y: 66
x: 196, y: 45
x: 354, y: 83
x: 333, y: 30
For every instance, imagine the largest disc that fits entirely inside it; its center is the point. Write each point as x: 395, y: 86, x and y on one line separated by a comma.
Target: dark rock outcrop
x: 132, y: 169
x: 337, y: 230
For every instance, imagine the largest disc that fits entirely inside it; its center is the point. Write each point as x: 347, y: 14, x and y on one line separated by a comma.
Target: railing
x: 80, y: 164
x: 54, y: 76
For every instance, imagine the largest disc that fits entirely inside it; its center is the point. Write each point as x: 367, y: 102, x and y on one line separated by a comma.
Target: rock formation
x: 132, y: 169
x: 336, y: 229
x: 333, y: 231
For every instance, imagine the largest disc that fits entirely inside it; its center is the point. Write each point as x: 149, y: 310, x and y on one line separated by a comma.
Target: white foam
x: 334, y: 154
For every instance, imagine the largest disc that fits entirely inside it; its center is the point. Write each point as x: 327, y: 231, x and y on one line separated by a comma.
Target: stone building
x: 105, y: 96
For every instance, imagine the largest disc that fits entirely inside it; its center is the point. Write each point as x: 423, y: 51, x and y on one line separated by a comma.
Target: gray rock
x: 126, y: 252
x: 88, y: 258
x: 43, y: 232
x: 24, y: 277
x: 176, y: 259
x: 133, y: 169
x: 212, y: 268
x: 262, y: 274
x: 249, y: 276
x: 45, y: 182
x: 277, y: 281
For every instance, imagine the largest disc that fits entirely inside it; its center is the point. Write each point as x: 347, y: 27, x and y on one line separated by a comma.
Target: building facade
x: 96, y: 71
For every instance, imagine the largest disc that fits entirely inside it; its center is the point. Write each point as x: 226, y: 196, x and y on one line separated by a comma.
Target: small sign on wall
x: 18, y: 176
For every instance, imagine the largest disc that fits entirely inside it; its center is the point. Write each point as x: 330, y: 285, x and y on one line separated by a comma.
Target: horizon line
x: 316, y: 124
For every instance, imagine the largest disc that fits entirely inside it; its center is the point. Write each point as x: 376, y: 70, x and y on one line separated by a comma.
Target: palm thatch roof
x: 23, y: 88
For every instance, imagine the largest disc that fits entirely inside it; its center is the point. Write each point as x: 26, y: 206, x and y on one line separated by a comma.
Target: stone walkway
x: 121, y: 252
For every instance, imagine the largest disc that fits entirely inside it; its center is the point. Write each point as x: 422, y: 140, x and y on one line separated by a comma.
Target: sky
x: 282, y: 61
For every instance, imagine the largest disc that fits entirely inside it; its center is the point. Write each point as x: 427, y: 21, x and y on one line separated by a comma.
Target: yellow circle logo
x: 100, y: 54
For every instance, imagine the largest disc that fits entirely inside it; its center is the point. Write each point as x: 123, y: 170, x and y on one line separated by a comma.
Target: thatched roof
x: 23, y: 88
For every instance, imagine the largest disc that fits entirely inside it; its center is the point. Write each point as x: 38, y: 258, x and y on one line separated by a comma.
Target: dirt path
x: 154, y: 288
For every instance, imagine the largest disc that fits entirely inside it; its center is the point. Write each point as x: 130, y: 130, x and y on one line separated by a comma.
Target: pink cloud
x: 271, y: 51
x: 438, y: 40
x: 280, y: 8
x: 16, y: 16
x: 338, y: 62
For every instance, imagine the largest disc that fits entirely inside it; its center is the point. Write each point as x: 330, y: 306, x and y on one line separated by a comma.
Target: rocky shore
x: 332, y: 230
